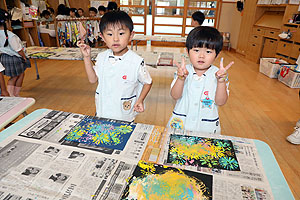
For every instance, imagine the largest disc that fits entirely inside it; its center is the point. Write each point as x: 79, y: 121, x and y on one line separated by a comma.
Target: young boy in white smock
x: 201, y: 87
x: 123, y: 80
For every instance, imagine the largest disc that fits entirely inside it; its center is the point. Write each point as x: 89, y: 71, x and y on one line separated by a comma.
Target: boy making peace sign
x: 201, y: 87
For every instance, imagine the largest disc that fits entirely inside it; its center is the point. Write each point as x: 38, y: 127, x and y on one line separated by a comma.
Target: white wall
x: 230, y: 20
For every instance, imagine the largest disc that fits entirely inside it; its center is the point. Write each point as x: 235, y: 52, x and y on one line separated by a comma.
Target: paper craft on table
x: 96, y: 132
x: 202, y: 152
x: 153, y: 181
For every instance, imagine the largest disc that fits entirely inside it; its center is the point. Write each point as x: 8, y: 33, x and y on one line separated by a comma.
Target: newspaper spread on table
x: 249, y: 183
x: 54, y: 126
x: 37, y: 163
x: 37, y: 170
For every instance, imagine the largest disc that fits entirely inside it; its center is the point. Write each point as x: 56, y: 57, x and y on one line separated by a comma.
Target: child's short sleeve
x: 15, y: 43
x: 143, y: 74
x: 1, y: 67
x: 97, y: 63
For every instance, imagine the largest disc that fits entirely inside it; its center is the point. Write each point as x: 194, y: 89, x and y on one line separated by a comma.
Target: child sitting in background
x: 80, y: 12
x: 61, y: 11
x: 67, y: 12
x: 93, y: 12
x: 112, y: 6
x: 197, y: 18
x: 201, y: 87
x: 45, y: 16
x: 51, y: 11
x: 101, y: 11
x: 74, y: 13
x: 123, y: 80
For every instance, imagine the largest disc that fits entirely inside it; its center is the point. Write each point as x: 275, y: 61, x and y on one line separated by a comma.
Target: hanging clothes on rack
x: 67, y: 33
x: 61, y: 33
x: 71, y: 31
x: 82, y: 31
x: 90, y: 34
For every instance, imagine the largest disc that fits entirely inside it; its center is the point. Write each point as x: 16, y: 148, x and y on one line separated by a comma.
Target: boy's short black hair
x: 112, y: 6
x: 93, y: 9
x: 101, y: 8
x: 81, y: 9
x: 61, y: 9
x: 67, y: 11
x: 44, y: 13
x: 199, y: 17
x: 115, y: 18
x: 205, y: 36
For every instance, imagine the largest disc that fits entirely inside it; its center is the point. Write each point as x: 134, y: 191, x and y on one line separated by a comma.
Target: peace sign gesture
x: 182, y: 72
x: 222, y: 74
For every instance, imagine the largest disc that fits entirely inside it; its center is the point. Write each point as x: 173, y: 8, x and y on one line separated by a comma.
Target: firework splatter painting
x: 202, y: 152
x: 152, y: 181
x: 93, y: 131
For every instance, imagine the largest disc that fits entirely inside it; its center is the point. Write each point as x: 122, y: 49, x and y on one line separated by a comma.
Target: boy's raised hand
x: 182, y: 72
x: 84, y: 49
x: 222, y: 74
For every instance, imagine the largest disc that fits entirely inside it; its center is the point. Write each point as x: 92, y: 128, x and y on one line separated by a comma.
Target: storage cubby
x: 26, y: 26
x: 266, y: 23
x: 290, y: 48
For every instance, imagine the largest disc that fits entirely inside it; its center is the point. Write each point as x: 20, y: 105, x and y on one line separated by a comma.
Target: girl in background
x: 12, y: 56
x: 80, y: 12
x: 3, y: 91
x: 74, y: 13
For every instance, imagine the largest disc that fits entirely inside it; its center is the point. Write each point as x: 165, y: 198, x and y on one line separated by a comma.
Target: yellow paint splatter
x: 196, y: 151
x: 167, y: 186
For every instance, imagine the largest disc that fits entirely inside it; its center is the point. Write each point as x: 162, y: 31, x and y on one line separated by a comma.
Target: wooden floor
x: 258, y: 107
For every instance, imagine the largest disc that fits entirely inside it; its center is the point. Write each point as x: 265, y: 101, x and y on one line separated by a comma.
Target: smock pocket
x: 127, y: 104
x: 177, y: 121
x: 129, y: 97
x: 210, y: 125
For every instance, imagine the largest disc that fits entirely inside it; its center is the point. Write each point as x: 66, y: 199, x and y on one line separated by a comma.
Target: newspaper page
x: 7, y: 103
x: 153, y: 148
x: 33, y: 169
x: 248, y: 183
x: 53, y: 126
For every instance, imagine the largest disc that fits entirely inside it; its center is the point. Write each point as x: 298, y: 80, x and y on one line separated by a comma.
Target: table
x: 58, y: 53
x: 274, y: 175
x: 153, y: 59
x: 138, y: 38
x: 12, y: 107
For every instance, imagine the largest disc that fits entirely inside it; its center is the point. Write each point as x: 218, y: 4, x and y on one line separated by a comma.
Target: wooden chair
x: 226, y: 40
